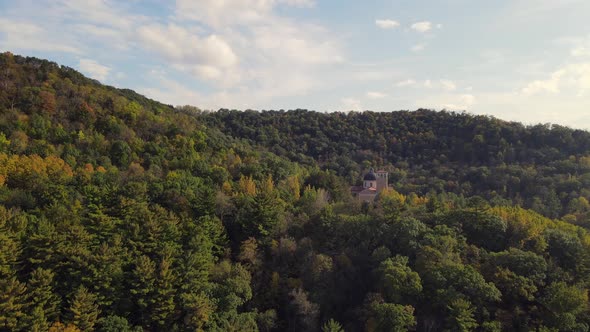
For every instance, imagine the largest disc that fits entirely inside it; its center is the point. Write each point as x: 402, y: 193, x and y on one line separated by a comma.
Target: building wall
x: 382, y: 180
x: 370, y: 184
x: 367, y: 197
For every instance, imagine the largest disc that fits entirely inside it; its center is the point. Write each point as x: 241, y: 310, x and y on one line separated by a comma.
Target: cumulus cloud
x: 277, y: 56
x: 218, y: 13
x: 98, y: 12
x: 574, y: 77
x: 386, y: 24
x: 548, y: 85
x: 376, y: 95
x: 225, y: 13
x: 442, y: 84
x: 206, y: 57
x: 179, y: 44
x: 295, y: 44
x: 422, y: 27
x: 350, y: 104
x: 448, y: 101
x: 571, y: 78
x: 448, y: 85
x: 406, y: 83
x: 28, y: 36
x: 94, y: 69
x: 581, y: 51
x: 299, y: 3
x: 464, y: 102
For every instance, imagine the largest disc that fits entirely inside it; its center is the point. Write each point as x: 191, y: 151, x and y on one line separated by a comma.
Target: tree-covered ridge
x: 542, y: 167
x: 118, y: 213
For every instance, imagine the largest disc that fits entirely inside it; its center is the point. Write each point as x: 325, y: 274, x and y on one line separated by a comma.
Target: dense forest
x: 119, y: 213
x: 545, y: 168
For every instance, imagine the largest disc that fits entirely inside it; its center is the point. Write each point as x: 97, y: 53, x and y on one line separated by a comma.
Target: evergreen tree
x: 83, y: 311
x: 332, y: 326
x: 12, y: 303
x: 41, y: 294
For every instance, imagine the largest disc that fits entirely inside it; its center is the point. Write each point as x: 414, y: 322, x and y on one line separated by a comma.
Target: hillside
x: 543, y: 167
x: 119, y: 213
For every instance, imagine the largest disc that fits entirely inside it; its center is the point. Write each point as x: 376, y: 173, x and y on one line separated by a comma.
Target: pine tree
x: 36, y: 320
x: 40, y: 293
x: 332, y: 326
x: 12, y: 303
x: 83, y: 310
x: 143, y: 282
x: 164, y: 306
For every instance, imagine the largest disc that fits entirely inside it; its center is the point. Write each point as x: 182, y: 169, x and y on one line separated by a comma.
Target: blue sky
x: 523, y: 60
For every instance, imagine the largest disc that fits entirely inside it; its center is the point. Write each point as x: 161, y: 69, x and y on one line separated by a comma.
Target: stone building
x: 373, y: 184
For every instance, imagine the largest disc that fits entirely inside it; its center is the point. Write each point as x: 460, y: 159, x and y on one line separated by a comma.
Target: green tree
x: 564, y: 304
x: 12, y: 303
x: 460, y: 316
x: 391, y: 318
x: 397, y: 281
x: 83, y: 311
x: 36, y: 320
x: 115, y: 324
x: 41, y: 294
x: 332, y: 326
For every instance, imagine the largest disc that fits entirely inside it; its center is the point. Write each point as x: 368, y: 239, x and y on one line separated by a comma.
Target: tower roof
x: 370, y: 176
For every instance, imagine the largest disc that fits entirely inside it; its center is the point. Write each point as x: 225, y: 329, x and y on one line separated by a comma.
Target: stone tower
x: 382, y: 180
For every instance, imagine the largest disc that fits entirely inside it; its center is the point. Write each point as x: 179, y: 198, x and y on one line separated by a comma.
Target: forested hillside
x: 119, y: 213
x: 543, y: 167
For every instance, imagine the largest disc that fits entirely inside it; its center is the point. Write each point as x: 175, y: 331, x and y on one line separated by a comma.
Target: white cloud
x: 179, y: 44
x: 99, y: 12
x: 224, y: 13
x: 294, y: 43
x: 538, y: 86
x: 219, y: 13
x: 463, y: 102
x: 350, y: 104
x: 418, y: 47
x: 206, y: 57
x: 422, y: 27
x: 570, y: 78
x: 581, y: 51
x: 114, y: 37
x: 376, y: 95
x: 442, y: 84
x: 448, y: 85
x: 27, y: 36
x: 277, y: 56
x: 94, y: 69
x: 387, y: 24
x: 406, y: 83
x: 299, y: 3
x: 448, y: 101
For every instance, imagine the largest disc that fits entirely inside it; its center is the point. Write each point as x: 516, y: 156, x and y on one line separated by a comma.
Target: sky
x: 518, y: 60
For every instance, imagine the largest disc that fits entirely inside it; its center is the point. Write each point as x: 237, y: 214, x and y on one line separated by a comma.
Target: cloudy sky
x: 525, y: 60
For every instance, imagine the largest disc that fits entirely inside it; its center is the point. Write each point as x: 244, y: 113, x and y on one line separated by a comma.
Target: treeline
x: 118, y: 213
x: 543, y: 167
